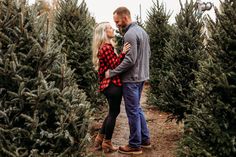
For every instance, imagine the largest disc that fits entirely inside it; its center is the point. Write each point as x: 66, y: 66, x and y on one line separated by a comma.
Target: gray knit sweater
x: 135, y: 65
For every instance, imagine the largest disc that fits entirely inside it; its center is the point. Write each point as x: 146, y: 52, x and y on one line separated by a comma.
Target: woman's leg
x: 102, y: 130
x: 114, y: 95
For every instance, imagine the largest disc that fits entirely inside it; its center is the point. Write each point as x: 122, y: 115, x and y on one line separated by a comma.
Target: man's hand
x: 107, y: 74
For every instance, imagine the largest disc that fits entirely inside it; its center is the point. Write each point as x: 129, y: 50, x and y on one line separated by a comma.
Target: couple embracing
x: 124, y: 75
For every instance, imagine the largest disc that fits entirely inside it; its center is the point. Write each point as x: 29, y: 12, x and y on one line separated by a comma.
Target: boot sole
x: 135, y: 152
x: 108, y: 150
x: 98, y: 148
x: 147, y: 147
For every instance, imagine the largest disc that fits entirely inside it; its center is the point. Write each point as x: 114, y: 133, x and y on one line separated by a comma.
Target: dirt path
x: 164, y: 135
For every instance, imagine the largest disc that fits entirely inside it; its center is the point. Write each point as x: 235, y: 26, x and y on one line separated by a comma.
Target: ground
x: 164, y: 135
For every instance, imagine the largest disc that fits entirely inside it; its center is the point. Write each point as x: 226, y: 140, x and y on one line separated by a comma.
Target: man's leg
x: 144, y: 129
x: 132, y: 106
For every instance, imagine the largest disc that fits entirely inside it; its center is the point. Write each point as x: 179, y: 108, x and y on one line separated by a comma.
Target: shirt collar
x: 129, y: 26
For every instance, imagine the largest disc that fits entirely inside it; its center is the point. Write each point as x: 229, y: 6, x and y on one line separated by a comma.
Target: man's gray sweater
x: 135, y: 65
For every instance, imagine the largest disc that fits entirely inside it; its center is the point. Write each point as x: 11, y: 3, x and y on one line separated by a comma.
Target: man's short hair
x: 122, y: 11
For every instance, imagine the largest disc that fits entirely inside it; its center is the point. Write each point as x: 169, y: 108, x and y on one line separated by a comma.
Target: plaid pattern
x: 108, y: 60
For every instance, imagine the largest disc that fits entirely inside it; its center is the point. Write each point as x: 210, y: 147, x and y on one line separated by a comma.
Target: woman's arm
x: 129, y: 60
x: 126, y: 48
x: 110, y: 58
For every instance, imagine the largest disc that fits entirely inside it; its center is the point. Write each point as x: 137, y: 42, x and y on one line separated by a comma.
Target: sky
x: 102, y: 10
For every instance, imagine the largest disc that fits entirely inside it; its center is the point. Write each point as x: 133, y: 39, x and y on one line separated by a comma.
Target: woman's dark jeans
x: 113, y: 94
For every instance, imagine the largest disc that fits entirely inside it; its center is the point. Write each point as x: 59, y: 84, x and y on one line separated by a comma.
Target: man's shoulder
x: 133, y: 27
x: 135, y: 32
x: 131, y: 32
x: 130, y: 36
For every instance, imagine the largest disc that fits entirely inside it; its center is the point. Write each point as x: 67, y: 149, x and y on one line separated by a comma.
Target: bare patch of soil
x: 164, y: 135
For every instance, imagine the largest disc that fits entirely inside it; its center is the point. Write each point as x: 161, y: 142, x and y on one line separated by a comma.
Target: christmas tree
x: 74, y: 27
x: 159, y: 32
x: 211, y: 129
x: 42, y: 111
x: 119, y: 41
x: 181, y: 55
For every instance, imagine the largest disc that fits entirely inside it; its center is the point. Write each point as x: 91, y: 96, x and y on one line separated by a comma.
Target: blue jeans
x: 137, y: 123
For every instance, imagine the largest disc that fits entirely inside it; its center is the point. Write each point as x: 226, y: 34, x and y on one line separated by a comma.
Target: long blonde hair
x: 99, y: 38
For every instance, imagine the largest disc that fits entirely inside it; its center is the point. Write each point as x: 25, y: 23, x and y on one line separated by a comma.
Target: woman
x: 104, y: 58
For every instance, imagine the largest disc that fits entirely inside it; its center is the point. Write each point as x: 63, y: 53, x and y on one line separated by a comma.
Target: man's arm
x: 130, y: 57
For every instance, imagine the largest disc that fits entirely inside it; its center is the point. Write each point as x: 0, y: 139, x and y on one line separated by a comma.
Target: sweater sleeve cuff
x: 111, y: 73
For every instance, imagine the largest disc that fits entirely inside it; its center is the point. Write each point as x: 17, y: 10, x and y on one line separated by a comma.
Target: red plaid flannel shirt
x: 108, y: 60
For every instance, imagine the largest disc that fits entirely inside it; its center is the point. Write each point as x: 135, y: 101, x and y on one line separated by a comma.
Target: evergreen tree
x: 159, y: 32
x: 211, y: 129
x: 74, y: 27
x: 181, y: 57
x: 119, y: 41
x: 42, y: 111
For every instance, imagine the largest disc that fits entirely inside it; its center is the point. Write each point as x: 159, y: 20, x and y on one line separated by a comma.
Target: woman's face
x: 109, y: 31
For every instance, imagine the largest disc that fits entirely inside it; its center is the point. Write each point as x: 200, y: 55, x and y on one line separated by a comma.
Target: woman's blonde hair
x: 99, y: 38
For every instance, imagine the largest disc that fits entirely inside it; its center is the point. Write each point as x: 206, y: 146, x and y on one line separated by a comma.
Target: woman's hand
x: 126, y: 47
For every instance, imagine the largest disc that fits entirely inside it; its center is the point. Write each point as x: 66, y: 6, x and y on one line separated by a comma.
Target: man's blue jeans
x: 137, y: 122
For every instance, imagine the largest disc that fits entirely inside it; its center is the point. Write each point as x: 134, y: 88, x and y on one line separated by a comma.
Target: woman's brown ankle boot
x: 98, y: 141
x: 108, y: 147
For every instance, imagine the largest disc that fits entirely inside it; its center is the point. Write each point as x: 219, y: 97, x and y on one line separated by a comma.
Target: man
x: 134, y: 70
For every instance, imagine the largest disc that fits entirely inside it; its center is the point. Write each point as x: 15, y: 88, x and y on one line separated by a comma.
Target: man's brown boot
x: 98, y: 141
x: 129, y: 150
x: 108, y: 147
x: 146, y: 144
